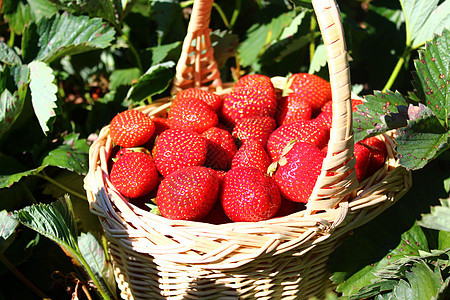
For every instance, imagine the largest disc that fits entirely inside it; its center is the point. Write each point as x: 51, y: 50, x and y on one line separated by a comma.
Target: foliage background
x: 69, y: 66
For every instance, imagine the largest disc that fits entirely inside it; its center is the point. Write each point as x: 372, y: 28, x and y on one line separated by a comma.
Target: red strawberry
x: 287, y: 207
x: 378, y: 153
x: 176, y: 149
x: 292, y: 108
x: 301, y: 131
x: 252, y: 95
x: 131, y: 128
x: 355, y: 103
x: 324, y: 119
x: 298, y: 171
x: 251, y: 154
x: 315, y: 90
x: 362, y: 155
x: 213, y: 100
x: 327, y: 107
x: 221, y: 148
x: 254, y: 128
x: 249, y: 195
x: 216, y: 215
x: 191, y: 114
x: 134, y: 174
x: 188, y: 193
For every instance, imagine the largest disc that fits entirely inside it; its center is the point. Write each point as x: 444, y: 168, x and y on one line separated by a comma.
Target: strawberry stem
x: 397, y: 69
x: 61, y: 186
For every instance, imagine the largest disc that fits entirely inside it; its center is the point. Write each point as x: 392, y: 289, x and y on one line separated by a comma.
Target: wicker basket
x: 158, y: 258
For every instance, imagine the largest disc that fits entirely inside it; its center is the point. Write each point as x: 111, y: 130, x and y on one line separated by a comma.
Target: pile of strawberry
x: 248, y: 155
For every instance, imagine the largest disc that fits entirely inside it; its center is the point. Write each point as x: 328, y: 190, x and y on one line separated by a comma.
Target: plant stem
x: 21, y: 277
x: 397, y: 69
x: 312, y: 43
x: 61, y: 186
x: 11, y: 39
x: 222, y: 15
x: 235, y: 15
x: 133, y: 50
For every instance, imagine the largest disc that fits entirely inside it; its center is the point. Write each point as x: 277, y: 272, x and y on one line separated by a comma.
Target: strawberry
x: 378, y: 153
x: 256, y: 127
x: 327, y: 107
x: 298, y: 170
x: 252, y: 95
x: 188, y: 194
x: 176, y: 149
x: 191, y: 114
x: 324, y: 119
x: 134, y: 174
x: 287, y: 207
x: 301, y: 131
x: 220, y: 148
x: 131, y: 128
x: 292, y: 108
x: 213, y: 100
x: 251, y: 154
x: 362, y: 155
x: 216, y: 215
x: 315, y: 90
x: 355, y: 103
x: 249, y: 195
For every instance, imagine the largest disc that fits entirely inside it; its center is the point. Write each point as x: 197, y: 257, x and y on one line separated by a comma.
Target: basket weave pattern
x: 158, y: 258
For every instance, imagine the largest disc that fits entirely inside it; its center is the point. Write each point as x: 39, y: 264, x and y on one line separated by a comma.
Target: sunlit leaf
x: 438, y: 218
x: 8, y: 227
x: 8, y: 55
x: 123, y: 77
x: 43, y: 93
x: 319, y: 59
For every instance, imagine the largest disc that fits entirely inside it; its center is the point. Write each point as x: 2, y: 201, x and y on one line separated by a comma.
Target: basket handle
x: 197, y: 67
x: 338, y: 175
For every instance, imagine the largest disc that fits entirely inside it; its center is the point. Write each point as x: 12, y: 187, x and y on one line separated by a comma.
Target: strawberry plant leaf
x: 95, y: 257
x: 8, y: 227
x: 71, y: 155
x: 42, y: 8
x: 8, y: 55
x: 94, y: 8
x: 57, y: 222
x: 153, y: 82
x: 380, y: 112
x: 17, y: 14
x: 432, y: 77
x: 421, y: 141
x: 412, y: 242
x: 43, y: 93
x: 424, y: 18
x: 11, y: 171
x: 160, y: 53
x: 438, y: 218
x: 123, y: 77
x: 261, y: 36
x: 60, y: 35
x: 319, y: 59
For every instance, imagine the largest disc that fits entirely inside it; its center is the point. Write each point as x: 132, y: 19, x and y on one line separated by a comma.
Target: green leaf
x: 381, y: 112
x: 8, y: 227
x: 432, y: 76
x: 55, y: 221
x: 225, y: 46
x: 438, y: 218
x: 160, y: 53
x: 73, y: 155
x: 412, y: 242
x: 11, y: 171
x: 94, y: 8
x: 66, y: 34
x: 319, y: 59
x: 423, y: 19
x: 18, y: 16
x: 42, y: 8
x: 123, y: 77
x: 43, y: 93
x: 260, y: 36
x: 421, y: 141
x: 167, y: 14
x: 10, y: 109
x: 95, y: 257
x: 153, y: 82
x: 8, y: 55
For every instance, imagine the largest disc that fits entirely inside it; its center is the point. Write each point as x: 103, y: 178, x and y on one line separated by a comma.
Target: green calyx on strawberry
x: 252, y: 95
x: 131, y: 128
x: 188, y: 194
x: 298, y: 171
x: 176, y: 149
x: 249, y: 195
x: 134, y: 174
